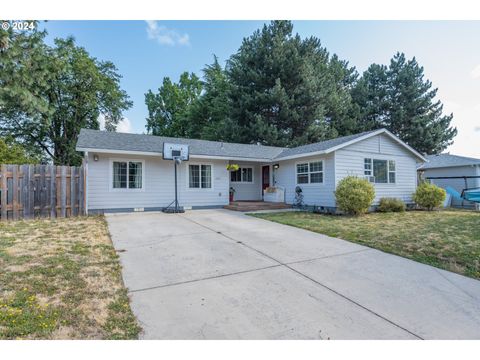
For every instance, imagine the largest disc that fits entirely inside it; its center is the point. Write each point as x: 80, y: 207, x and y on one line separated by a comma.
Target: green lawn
x: 446, y: 239
x: 61, y: 279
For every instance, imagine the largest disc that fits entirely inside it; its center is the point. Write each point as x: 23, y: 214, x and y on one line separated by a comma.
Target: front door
x: 265, y: 177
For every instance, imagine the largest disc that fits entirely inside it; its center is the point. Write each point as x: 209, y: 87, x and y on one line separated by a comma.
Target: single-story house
x: 126, y: 172
x: 454, y: 172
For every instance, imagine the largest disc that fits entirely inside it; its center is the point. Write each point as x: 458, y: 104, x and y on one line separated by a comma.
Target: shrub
x: 391, y: 205
x: 429, y: 196
x: 354, y: 195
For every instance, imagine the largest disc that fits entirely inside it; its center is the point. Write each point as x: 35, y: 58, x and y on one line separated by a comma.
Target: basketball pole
x: 176, y: 190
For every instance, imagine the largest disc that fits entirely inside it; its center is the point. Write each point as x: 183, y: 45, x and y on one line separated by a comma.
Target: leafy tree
x: 12, y: 152
x: 283, y: 89
x: 49, y: 93
x: 211, y: 111
x: 398, y: 98
x: 168, y: 110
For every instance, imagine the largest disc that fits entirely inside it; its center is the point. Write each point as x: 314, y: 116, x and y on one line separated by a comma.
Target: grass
x: 61, y: 279
x: 446, y: 239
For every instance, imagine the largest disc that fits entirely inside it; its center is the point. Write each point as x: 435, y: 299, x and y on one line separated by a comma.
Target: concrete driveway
x: 218, y: 274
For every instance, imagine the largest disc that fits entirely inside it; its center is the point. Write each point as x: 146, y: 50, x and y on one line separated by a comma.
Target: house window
x: 242, y: 175
x: 368, y: 167
x: 391, y: 171
x: 127, y: 175
x: 310, y: 172
x: 382, y: 170
x: 200, y: 176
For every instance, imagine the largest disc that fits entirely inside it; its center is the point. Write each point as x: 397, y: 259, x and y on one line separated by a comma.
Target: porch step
x: 255, y: 206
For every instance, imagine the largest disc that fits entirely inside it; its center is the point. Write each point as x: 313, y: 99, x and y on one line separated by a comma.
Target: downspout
x: 85, y: 159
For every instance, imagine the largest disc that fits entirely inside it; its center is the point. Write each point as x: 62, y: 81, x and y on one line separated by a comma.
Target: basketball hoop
x: 177, y: 153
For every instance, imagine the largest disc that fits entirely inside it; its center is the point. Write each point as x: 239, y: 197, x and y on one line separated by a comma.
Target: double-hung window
x: 244, y: 175
x: 200, y: 176
x: 384, y: 171
x: 310, y: 172
x: 127, y: 175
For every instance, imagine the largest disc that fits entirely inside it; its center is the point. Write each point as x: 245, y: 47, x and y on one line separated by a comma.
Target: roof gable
x: 329, y: 146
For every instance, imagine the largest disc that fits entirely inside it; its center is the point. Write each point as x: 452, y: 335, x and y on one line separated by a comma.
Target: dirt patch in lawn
x: 446, y: 239
x: 61, y: 279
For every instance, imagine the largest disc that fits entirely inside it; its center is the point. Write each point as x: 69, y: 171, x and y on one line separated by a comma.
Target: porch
x: 253, y: 205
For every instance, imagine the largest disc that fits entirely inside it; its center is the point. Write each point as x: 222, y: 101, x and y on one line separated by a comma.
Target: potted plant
x: 233, y: 167
x: 232, y: 192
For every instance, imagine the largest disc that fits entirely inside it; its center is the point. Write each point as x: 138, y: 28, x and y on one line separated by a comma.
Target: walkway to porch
x: 256, y: 205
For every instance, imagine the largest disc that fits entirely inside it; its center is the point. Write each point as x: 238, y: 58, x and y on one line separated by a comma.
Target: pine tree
x: 398, y: 98
x: 371, y: 95
x: 413, y: 113
x: 281, y: 90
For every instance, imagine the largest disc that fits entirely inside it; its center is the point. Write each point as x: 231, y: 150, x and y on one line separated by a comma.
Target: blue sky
x: 146, y: 52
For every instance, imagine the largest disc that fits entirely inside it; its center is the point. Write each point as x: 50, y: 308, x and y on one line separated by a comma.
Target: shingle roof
x: 321, y: 146
x: 447, y: 160
x: 96, y: 139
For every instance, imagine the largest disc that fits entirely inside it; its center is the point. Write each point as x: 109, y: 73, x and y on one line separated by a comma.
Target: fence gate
x: 32, y: 191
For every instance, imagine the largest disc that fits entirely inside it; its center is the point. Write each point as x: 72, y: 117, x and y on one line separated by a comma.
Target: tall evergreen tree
x: 398, y: 98
x: 414, y: 114
x: 281, y: 89
x: 371, y: 95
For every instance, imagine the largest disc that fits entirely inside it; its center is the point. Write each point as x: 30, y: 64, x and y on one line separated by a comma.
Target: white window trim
x: 244, y: 182
x: 187, y: 176
x: 308, y: 173
x: 127, y: 189
x: 388, y: 170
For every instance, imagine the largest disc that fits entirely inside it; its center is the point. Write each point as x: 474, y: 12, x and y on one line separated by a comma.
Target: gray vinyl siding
x: 457, y: 184
x: 159, y: 184
x: 248, y: 191
x: 313, y: 194
x: 350, y: 161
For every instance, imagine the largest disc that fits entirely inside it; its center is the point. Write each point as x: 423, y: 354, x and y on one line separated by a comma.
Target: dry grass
x: 61, y: 279
x: 445, y: 239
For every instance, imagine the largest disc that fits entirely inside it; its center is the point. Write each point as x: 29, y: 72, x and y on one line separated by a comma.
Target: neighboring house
x: 126, y: 172
x: 452, y: 169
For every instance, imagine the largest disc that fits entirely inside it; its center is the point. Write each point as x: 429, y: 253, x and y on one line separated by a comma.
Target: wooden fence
x: 31, y: 191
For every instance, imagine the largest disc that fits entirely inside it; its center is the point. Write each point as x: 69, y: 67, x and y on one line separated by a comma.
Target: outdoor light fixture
x: 276, y: 166
x: 95, y: 157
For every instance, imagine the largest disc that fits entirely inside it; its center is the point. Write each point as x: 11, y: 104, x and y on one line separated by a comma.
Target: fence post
x: 72, y: 191
x: 53, y: 191
x: 81, y: 193
x: 3, y: 199
x: 15, y: 192
x: 63, y: 191
x: 25, y: 190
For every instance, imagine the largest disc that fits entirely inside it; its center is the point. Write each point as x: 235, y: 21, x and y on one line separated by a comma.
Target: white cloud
x: 123, y: 126
x: 164, y: 35
x: 476, y: 72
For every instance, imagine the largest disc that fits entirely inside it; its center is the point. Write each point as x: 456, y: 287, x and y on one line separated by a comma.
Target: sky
x: 145, y: 52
